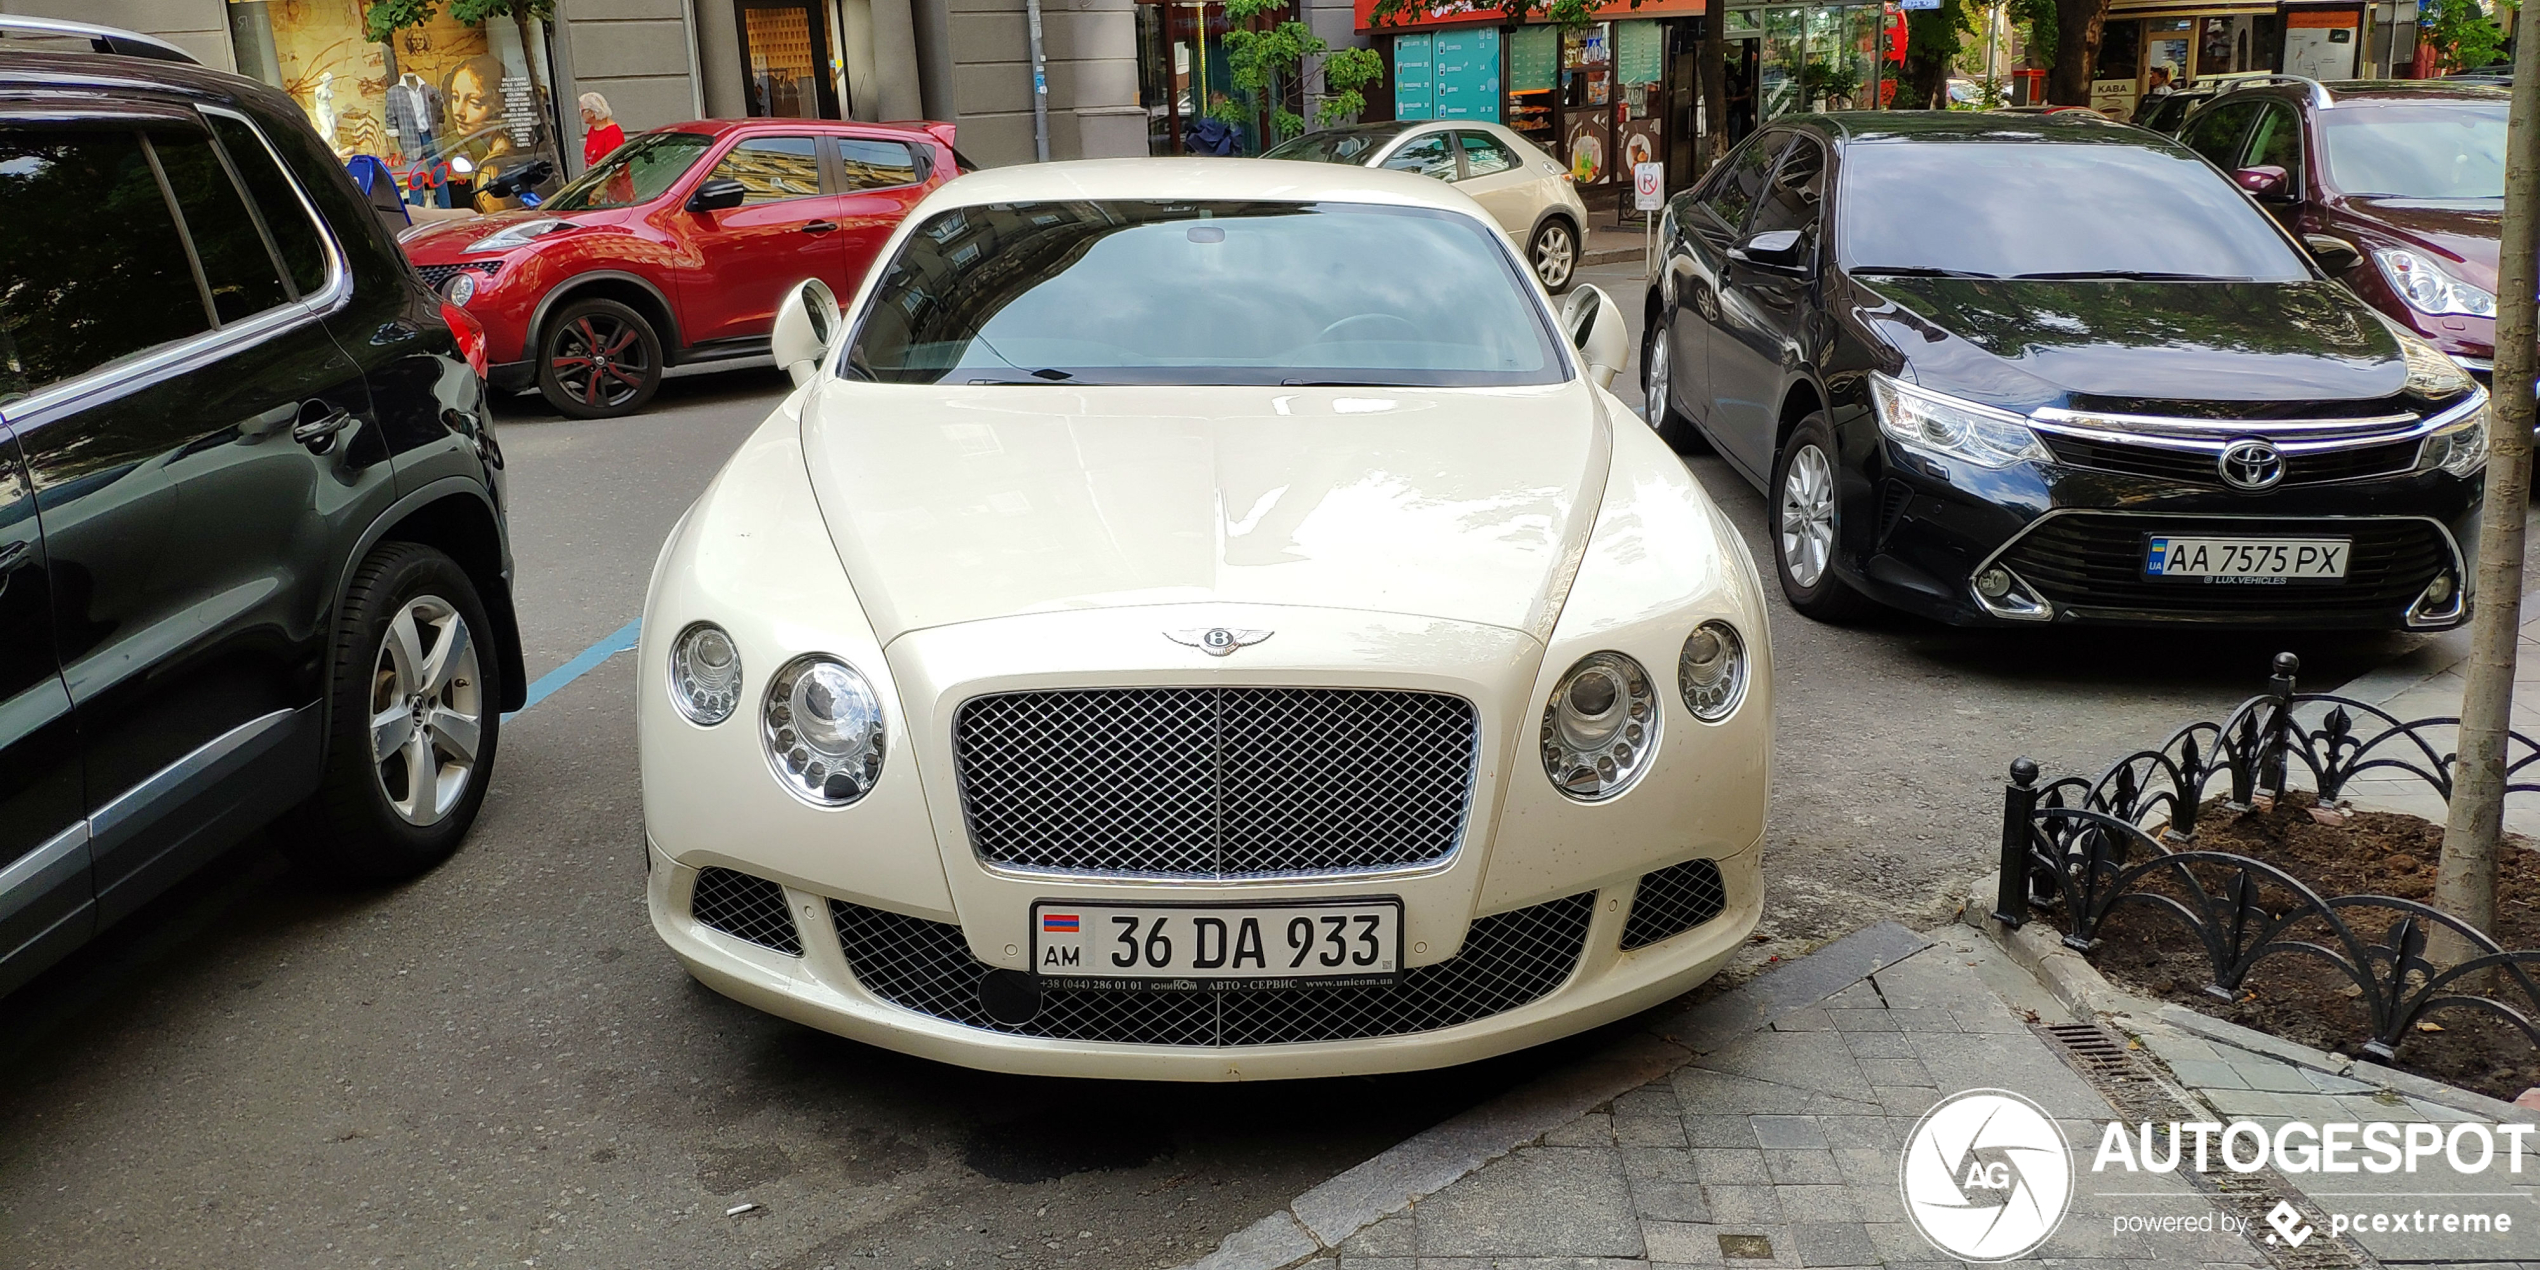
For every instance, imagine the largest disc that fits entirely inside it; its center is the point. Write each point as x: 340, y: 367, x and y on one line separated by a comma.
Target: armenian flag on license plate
x: 1058, y: 923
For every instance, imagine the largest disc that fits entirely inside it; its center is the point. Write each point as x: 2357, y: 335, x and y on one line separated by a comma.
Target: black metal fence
x: 2081, y: 850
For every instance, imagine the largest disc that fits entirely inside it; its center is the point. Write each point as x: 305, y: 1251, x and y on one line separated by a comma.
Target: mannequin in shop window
x: 410, y: 119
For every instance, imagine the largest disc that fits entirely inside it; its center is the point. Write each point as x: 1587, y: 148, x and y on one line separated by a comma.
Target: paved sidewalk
x: 1781, y: 1147
x: 2427, y: 685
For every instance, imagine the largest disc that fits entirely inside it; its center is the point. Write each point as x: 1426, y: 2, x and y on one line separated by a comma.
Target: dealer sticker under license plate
x: 2259, y: 560
x: 1217, y: 946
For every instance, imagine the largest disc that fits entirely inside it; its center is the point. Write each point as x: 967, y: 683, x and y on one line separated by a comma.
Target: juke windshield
x: 1262, y: 293
x: 2081, y: 210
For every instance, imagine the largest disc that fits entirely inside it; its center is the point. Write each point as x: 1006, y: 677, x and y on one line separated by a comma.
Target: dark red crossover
x: 2398, y: 187
x: 675, y: 249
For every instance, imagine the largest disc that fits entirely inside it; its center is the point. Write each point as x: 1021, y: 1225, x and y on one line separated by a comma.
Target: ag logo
x: 1987, y: 1175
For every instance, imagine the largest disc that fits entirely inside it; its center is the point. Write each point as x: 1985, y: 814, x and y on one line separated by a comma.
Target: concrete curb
x: 2086, y: 992
x: 2387, y: 681
x: 1319, y: 1220
x: 1595, y: 256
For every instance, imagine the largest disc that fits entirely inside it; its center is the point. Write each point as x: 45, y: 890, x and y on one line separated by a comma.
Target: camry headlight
x: 823, y: 728
x: 1943, y: 424
x: 705, y: 674
x: 2428, y: 288
x: 1600, y: 727
x: 2460, y: 448
x: 1711, y: 671
x: 2431, y: 375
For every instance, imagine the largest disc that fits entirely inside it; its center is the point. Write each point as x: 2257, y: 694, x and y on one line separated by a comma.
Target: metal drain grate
x: 2141, y: 1092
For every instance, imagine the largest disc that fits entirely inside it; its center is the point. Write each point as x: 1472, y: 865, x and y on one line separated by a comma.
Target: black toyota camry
x: 2002, y: 369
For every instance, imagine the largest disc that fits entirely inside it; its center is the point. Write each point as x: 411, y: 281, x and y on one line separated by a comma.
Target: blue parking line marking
x: 545, y: 686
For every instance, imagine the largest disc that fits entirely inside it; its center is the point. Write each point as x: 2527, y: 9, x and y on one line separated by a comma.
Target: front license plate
x: 2255, y: 560
x: 1217, y: 946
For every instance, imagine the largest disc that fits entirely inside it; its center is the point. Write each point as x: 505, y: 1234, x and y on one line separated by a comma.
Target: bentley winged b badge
x: 1217, y: 641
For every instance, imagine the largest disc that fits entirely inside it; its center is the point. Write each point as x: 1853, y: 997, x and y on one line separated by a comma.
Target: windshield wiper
x: 1342, y: 383
x: 1919, y: 271
x: 1045, y: 375
x: 2120, y: 275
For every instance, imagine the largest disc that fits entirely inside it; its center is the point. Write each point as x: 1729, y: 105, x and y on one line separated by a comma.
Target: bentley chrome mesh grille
x: 1215, y: 782
x: 1508, y: 959
x: 1674, y: 900
x: 746, y: 907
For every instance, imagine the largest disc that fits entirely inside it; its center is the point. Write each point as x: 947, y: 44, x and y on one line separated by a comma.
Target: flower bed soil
x: 2305, y: 1000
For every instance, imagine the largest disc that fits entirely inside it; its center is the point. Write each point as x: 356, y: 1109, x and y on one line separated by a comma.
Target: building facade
x: 444, y: 90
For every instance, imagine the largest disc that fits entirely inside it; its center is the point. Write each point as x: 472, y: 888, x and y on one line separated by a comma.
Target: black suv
x: 252, y: 552
x: 2004, y: 369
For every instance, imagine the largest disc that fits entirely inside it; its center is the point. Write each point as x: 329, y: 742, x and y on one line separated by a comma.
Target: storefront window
x: 1587, y: 99
x: 784, y: 48
x: 447, y: 105
x: 1182, y: 72
x: 1782, y: 61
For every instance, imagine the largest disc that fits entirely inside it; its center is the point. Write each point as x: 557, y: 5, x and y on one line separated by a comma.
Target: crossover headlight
x: 1711, y: 671
x: 2461, y: 447
x: 823, y: 727
x: 2428, y: 288
x: 705, y: 674
x: 1600, y: 727
x: 2431, y: 375
x: 1945, y: 425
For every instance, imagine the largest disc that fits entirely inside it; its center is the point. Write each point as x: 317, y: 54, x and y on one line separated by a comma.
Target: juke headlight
x: 1945, y: 425
x: 823, y: 727
x: 705, y: 674
x: 1600, y: 727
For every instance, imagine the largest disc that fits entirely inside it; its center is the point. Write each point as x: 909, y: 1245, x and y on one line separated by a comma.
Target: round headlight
x: 823, y: 728
x: 1711, y: 671
x: 705, y: 674
x: 1600, y: 727
x: 461, y: 287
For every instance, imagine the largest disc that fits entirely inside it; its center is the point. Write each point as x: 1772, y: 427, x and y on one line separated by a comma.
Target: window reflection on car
x: 2430, y: 152
x: 637, y: 173
x: 1205, y: 293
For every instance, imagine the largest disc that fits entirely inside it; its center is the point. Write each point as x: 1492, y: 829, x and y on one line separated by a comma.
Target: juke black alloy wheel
x: 598, y: 359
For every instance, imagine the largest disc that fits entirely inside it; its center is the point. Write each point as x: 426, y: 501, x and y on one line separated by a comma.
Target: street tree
x: 2465, y: 878
x: 384, y: 18
x: 1264, y: 58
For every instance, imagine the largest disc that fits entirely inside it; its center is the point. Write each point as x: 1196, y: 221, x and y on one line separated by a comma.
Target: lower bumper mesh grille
x: 2095, y: 561
x: 1508, y: 959
x: 745, y: 907
x: 1674, y: 900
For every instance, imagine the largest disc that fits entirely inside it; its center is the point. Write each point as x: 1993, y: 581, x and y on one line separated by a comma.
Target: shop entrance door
x: 785, y: 60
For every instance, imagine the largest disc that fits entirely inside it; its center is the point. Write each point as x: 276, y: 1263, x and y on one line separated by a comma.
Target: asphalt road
x: 499, y: 1065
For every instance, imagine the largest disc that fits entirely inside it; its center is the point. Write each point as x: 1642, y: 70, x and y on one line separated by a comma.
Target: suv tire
x: 413, y: 685
x: 1801, y: 516
x: 598, y: 359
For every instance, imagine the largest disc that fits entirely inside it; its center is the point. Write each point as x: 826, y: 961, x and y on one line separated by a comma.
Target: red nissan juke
x: 675, y: 249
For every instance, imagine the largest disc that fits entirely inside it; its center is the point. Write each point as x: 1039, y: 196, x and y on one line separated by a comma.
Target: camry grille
x: 1215, y: 782
x: 1508, y: 960
x: 2198, y: 467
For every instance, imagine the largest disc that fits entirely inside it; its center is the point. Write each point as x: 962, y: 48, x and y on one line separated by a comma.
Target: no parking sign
x: 1649, y: 186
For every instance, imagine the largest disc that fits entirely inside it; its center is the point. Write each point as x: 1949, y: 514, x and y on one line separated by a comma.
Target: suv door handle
x: 821, y: 227
x: 12, y: 556
x: 319, y: 433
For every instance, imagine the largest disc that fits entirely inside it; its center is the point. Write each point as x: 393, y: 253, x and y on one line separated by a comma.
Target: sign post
x: 1649, y: 194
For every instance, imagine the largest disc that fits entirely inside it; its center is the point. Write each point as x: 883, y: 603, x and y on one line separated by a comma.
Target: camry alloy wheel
x: 600, y: 361
x: 1807, y: 515
x: 426, y: 710
x: 1556, y: 253
x: 1653, y: 408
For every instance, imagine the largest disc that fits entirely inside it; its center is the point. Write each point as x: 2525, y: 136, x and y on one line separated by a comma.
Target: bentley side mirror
x: 806, y: 320
x: 1597, y: 328
x: 718, y: 194
x: 2334, y: 254
x: 2267, y: 182
x: 1777, y: 250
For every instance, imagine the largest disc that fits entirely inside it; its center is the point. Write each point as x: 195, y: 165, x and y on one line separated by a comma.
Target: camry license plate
x: 2255, y: 560
x: 1217, y: 946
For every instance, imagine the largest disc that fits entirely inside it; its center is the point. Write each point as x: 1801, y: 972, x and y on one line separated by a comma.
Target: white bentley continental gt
x: 1203, y: 620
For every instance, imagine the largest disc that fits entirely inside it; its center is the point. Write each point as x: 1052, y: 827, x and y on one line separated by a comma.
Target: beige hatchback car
x: 1524, y: 189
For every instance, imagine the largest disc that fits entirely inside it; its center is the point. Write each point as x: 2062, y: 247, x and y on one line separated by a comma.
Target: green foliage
x: 1258, y: 61
x: 1825, y: 79
x: 385, y: 18
x: 1346, y: 75
x: 2465, y: 36
x: 1933, y: 39
x: 2043, y: 27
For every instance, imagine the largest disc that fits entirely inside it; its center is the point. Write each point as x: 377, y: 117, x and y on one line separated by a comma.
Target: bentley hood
x: 966, y: 503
